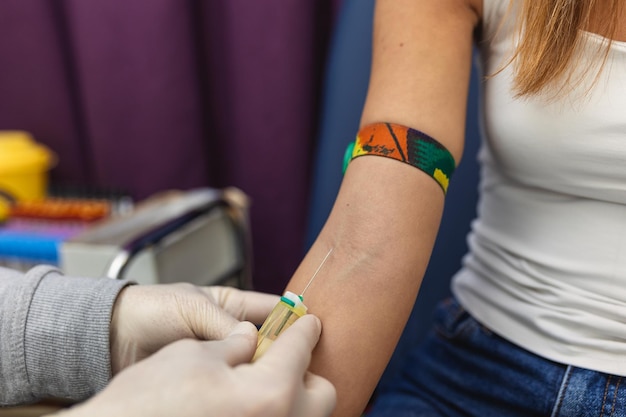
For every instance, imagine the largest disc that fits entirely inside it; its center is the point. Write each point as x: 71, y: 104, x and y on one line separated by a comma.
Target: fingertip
x: 244, y: 335
x: 238, y: 347
x: 244, y: 328
x: 316, y: 323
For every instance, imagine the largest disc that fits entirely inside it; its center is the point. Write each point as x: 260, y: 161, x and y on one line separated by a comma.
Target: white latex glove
x: 146, y: 318
x: 190, y: 378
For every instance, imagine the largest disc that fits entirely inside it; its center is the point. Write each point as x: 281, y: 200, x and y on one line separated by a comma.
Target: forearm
x: 366, y: 289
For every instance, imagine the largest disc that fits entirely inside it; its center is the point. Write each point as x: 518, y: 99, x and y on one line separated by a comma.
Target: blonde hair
x: 550, y: 35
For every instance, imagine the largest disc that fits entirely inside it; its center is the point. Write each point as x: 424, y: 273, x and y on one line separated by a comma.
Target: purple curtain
x: 160, y: 94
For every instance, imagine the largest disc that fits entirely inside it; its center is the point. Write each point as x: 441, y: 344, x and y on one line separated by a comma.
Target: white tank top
x: 547, y: 261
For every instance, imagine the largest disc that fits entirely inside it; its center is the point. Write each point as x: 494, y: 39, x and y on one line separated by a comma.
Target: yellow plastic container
x: 24, y: 166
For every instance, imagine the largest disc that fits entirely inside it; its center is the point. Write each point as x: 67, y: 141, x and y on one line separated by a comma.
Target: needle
x: 315, y: 274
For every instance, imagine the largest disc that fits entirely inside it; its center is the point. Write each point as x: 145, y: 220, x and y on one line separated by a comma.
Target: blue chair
x: 345, y: 86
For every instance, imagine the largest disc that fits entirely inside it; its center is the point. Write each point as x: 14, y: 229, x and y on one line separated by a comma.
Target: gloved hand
x: 190, y: 378
x: 146, y: 318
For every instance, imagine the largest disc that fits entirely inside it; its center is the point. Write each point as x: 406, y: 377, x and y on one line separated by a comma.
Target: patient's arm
x: 386, y: 216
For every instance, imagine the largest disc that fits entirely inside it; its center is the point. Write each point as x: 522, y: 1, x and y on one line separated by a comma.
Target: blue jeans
x: 464, y: 369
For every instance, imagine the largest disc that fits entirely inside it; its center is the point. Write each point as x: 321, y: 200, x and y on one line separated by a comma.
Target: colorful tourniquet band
x: 406, y: 145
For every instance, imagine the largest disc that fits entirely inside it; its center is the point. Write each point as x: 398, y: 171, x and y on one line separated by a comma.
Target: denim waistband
x: 465, y: 369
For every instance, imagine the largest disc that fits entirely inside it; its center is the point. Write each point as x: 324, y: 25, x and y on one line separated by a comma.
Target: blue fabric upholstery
x: 346, y: 79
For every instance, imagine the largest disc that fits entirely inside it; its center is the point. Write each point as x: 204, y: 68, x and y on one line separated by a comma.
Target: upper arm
x: 421, y: 66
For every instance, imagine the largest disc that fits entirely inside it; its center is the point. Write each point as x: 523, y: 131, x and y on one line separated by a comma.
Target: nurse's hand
x: 193, y: 378
x: 148, y: 317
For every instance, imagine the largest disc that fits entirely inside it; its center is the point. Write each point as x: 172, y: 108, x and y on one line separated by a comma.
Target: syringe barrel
x: 289, y: 309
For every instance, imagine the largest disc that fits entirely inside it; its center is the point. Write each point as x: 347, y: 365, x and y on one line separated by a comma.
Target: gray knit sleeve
x: 54, y: 335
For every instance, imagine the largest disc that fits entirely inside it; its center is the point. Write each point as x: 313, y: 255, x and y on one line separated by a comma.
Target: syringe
x: 289, y: 309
